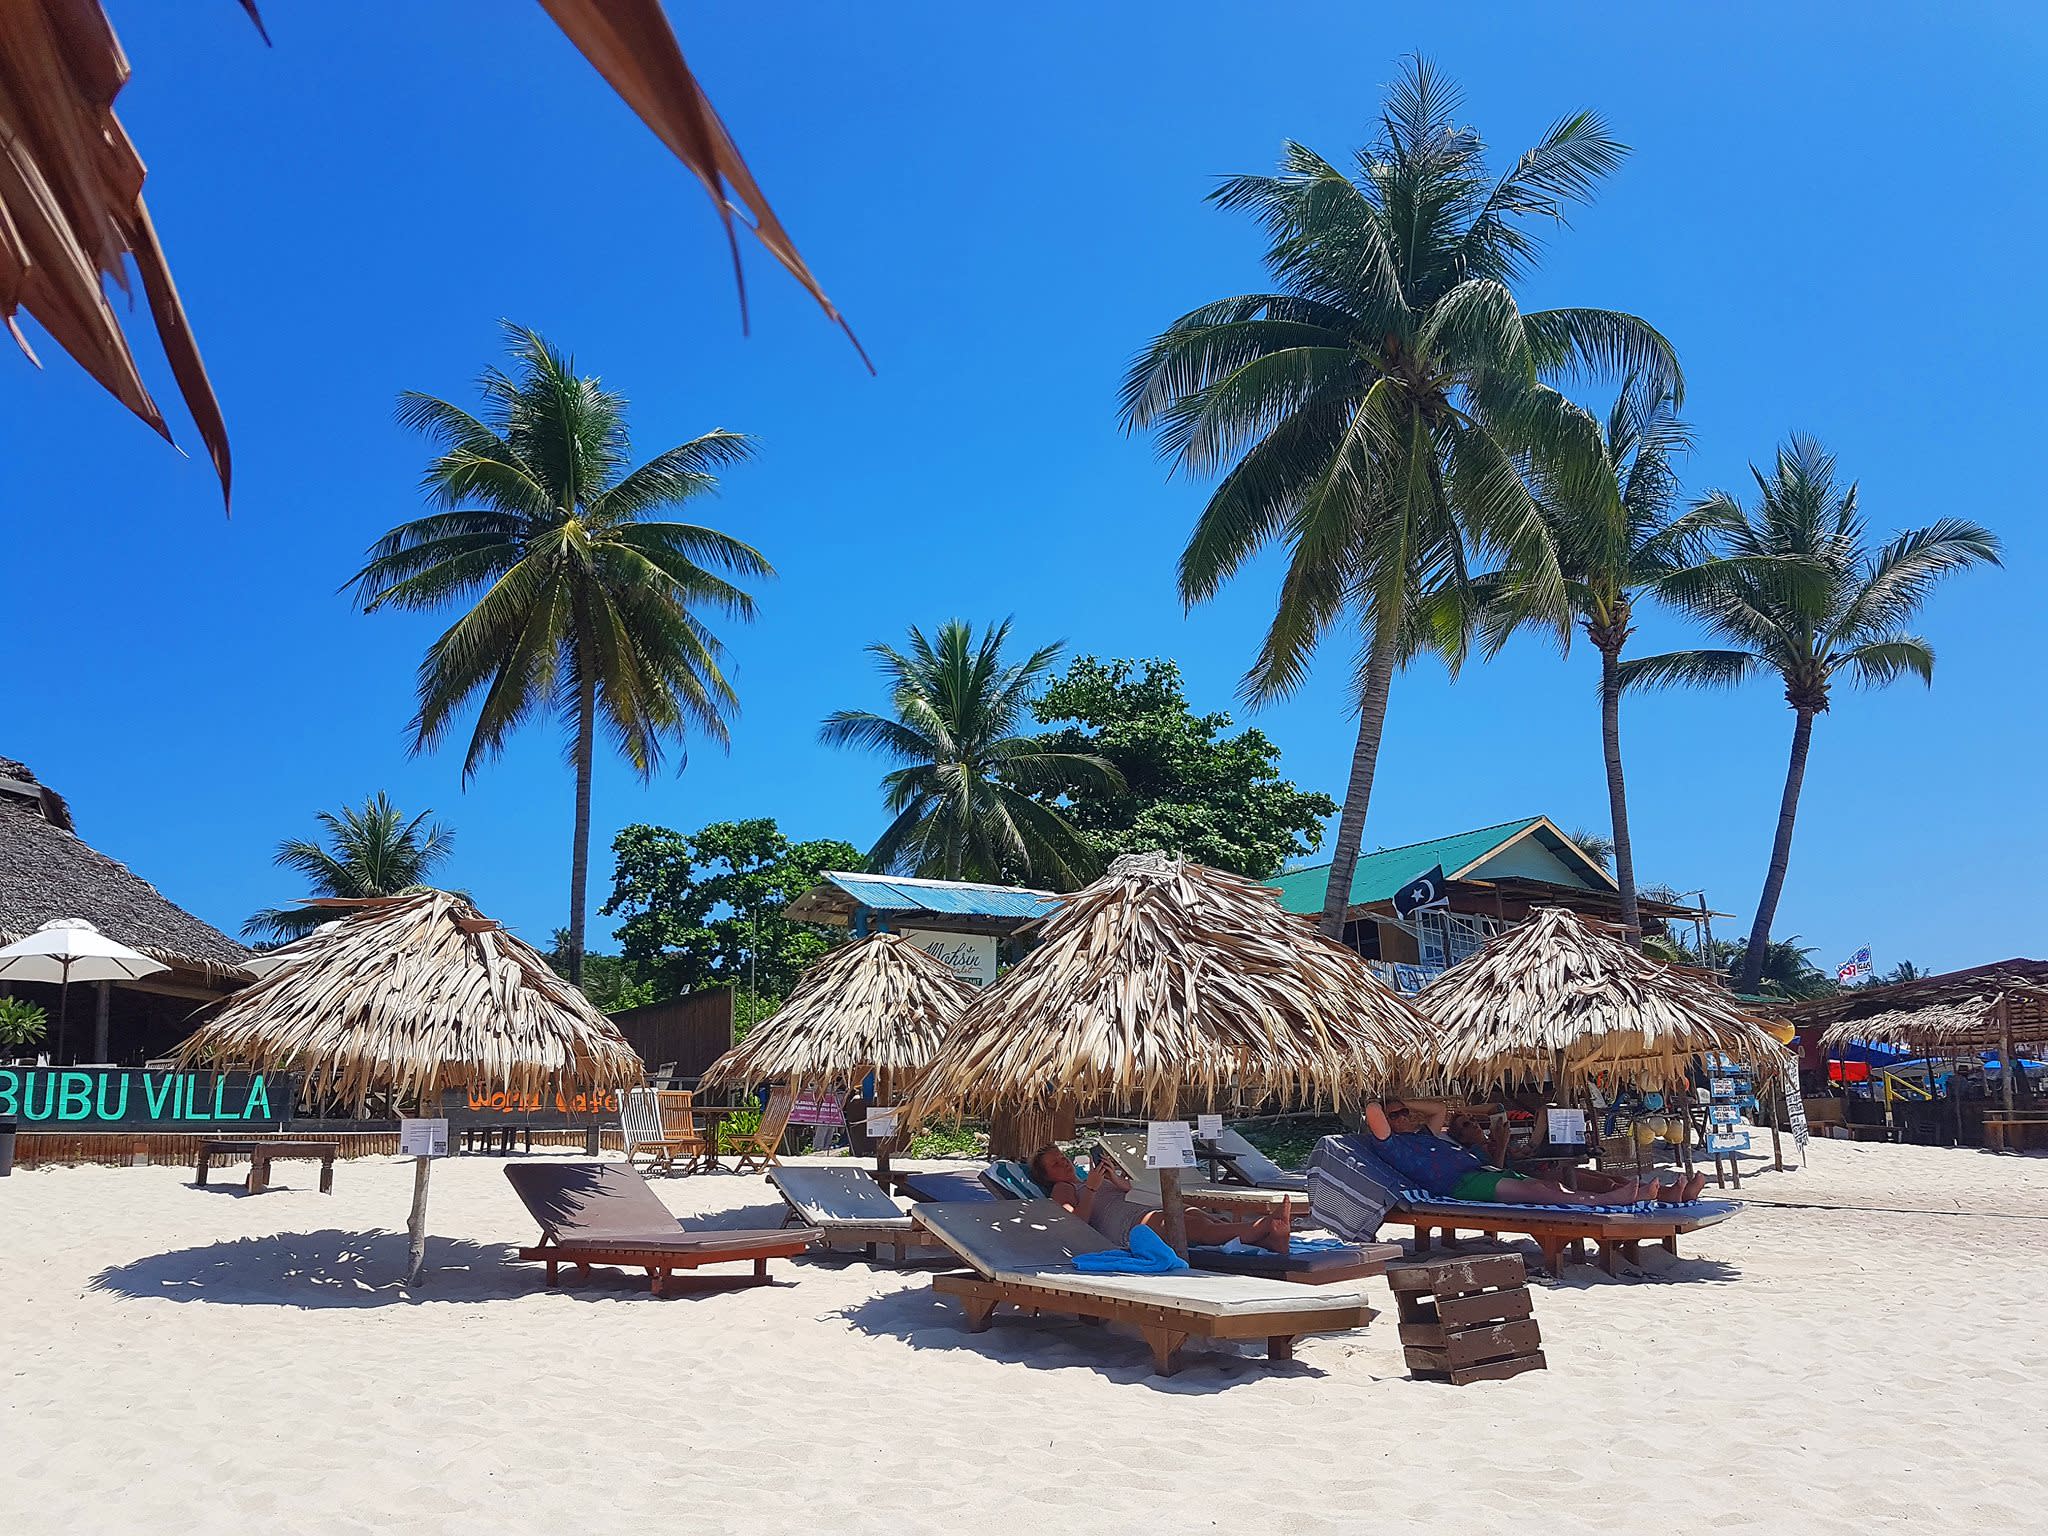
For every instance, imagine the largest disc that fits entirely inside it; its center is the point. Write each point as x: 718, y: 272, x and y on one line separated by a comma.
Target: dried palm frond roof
x: 71, y: 208
x: 879, y: 1004
x: 411, y: 995
x: 1554, y: 1000
x: 47, y: 871
x: 1158, y: 990
x: 1955, y: 1024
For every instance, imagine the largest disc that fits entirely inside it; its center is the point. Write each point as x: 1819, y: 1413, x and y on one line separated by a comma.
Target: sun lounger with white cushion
x: 846, y: 1205
x: 1021, y: 1252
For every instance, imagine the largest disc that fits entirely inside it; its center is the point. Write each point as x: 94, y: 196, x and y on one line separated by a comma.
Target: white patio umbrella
x: 70, y: 949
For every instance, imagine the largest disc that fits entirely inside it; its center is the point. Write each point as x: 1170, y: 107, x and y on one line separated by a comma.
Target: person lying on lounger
x: 1489, y: 1141
x: 1103, y: 1202
x: 1409, y: 1143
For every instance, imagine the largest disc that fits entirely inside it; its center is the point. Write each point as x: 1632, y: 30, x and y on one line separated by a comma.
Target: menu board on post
x: 1795, y: 1106
x: 423, y: 1138
x: 1208, y: 1127
x: 881, y: 1123
x: 1566, y: 1128
x: 1169, y: 1144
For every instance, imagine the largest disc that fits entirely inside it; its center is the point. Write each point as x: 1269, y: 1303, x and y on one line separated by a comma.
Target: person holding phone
x: 1103, y: 1201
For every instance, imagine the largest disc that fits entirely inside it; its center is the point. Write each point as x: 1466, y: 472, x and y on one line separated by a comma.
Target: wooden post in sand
x: 2005, y: 1062
x: 416, y: 1224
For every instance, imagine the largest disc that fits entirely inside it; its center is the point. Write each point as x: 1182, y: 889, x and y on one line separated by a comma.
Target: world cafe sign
x: 114, y: 1098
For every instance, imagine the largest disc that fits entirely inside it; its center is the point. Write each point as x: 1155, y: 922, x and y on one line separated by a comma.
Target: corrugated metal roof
x: 1384, y: 871
x: 887, y: 893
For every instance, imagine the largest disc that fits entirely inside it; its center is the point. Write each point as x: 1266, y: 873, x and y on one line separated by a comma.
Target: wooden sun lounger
x: 1129, y: 1152
x: 1244, y: 1161
x: 604, y: 1213
x: 846, y: 1205
x: 1021, y: 1254
x: 1616, y: 1234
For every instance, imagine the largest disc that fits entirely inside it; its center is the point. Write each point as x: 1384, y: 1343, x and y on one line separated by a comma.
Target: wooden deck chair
x: 662, y: 1131
x: 1021, y: 1253
x: 756, y: 1151
x: 1246, y: 1162
x: 1240, y: 1199
x: 600, y: 1213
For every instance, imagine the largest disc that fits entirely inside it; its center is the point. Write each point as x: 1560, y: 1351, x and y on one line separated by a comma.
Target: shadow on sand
x: 923, y: 1320
x: 331, y: 1268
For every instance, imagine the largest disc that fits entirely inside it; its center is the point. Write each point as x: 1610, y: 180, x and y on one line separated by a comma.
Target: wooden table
x: 2017, y: 1133
x: 715, y: 1113
x: 262, y: 1153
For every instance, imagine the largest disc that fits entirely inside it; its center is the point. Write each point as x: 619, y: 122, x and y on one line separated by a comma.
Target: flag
x: 1856, y: 965
x: 1425, y: 890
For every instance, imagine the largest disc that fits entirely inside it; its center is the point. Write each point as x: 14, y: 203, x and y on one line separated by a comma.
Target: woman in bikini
x: 1103, y: 1201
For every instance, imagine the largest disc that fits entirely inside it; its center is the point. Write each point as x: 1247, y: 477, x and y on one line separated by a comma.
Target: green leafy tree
x: 706, y: 909
x: 369, y: 850
x: 611, y: 982
x: 962, y: 802
x: 1188, y: 786
x: 1785, y: 969
x: 1375, y: 412
x: 585, y: 603
x: 1845, y: 615
x: 1597, y: 846
x: 1905, y: 970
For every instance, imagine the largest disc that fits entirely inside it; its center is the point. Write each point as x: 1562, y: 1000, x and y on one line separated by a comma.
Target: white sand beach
x: 1857, y: 1351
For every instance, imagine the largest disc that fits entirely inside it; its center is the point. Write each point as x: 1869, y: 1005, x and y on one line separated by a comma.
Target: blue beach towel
x: 1147, y: 1255
x: 1296, y: 1245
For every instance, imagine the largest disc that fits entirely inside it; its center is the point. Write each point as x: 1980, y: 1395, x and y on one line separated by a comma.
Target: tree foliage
x: 369, y: 850
x: 698, y: 908
x: 1189, y: 787
x: 582, y: 600
x: 962, y: 798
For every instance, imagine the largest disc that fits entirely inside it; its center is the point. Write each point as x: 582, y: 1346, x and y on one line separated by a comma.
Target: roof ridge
x: 1423, y: 842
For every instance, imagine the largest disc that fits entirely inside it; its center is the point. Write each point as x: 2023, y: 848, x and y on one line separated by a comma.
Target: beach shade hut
x: 1163, y: 988
x: 410, y: 996
x: 879, y: 1006
x: 1553, y: 1000
x: 1991, y: 1008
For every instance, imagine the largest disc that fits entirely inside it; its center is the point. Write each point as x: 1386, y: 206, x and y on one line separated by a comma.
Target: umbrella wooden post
x: 416, y: 1224
x: 1175, y: 1210
x: 2005, y: 1062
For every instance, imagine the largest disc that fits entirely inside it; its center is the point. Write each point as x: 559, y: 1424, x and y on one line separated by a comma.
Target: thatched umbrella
x: 410, y: 996
x: 878, y: 1005
x: 1161, y: 987
x: 1554, y: 1000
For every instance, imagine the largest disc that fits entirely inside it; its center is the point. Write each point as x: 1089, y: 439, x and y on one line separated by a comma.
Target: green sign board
x: 125, y: 1099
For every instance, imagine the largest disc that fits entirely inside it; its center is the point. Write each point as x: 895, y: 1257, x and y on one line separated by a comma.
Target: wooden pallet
x: 1467, y: 1319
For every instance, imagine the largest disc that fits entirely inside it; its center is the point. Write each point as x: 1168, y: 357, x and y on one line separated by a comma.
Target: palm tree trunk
x: 579, y: 856
x: 1617, y: 794
x: 1365, y: 758
x: 1781, y: 855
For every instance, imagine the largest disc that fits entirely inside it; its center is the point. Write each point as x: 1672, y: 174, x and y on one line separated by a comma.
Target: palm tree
x: 585, y: 604
x: 1610, y: 514
x: 961, y: 802
x: 370, y: 850
x: 1845, y: 614
x: 1381, y: 404
x: 1904, y: 971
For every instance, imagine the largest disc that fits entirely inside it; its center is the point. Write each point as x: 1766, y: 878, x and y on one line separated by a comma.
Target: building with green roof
x: 1493, y: 878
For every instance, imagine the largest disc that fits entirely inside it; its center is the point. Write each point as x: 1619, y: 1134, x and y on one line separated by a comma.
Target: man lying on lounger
x: 1103, y: 1202
x: 1410, y: 1143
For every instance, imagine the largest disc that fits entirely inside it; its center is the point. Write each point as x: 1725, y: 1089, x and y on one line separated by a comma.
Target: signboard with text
x: 132, y: 1099
x: 470, y: 1107
x: 971, y: 955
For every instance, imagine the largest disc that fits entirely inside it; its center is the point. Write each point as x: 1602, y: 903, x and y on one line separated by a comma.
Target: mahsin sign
x: 118, y: 1099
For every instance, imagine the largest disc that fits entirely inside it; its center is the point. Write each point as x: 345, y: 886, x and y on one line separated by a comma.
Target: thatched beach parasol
x: 1552, y: 1000
x: 412, y: 995
x: 1161, y: 988
x: 878, y: 1005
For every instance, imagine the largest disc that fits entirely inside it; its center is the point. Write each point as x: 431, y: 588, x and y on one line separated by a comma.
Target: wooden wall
x: 691, y: 1031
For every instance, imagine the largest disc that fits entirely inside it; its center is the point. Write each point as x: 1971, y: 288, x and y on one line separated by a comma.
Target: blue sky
x: 1830, y: 209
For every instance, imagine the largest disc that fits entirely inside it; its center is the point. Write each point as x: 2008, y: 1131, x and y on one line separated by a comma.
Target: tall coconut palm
x: 1847, y: 615
x: 586, y: 604
x: 1612, y: 517
x: 961, y: 802
x: 370, y: 850
x: 1375, y: 412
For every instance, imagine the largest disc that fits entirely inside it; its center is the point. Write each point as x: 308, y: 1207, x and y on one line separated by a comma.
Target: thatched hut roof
x: 1158, y: 989
x: 1554, y: 1000
x: 47, y: 871
x: 1946, y: 1026
x: 879, y: 1004
x: 412, y: 995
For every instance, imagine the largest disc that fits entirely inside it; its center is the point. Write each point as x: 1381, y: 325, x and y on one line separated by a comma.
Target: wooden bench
x: 262, y: 1153
x: 2015, y: 1133
x: 1618, y: 1235
x: 1852, y: 1131
x: 1467, y: 1319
